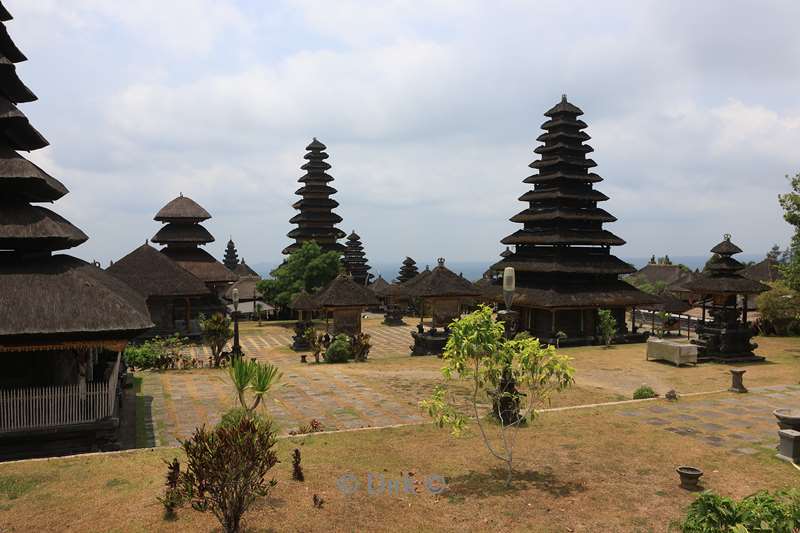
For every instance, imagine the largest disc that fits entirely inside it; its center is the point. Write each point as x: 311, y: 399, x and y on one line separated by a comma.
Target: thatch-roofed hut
x: 346, y: 300
x: 243, y: 270
x: 175, y: 297
x: 564, y: 268
x: 355, y: 261
x: 63, y: 322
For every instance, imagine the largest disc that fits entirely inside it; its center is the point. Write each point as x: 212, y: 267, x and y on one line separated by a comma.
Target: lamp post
x: 236, y: 351
x: 505, y: 401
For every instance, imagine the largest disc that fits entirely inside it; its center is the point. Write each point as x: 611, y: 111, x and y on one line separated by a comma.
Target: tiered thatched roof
x: 408, y: 270
x: 154, y: 274
x: 231, y: 259
x: 441, y: 282
x: 47, y: 300
x: 344, y: 292
x: 316, y: 220
x: 182, y: 235
x: 723, y: 274
x: 765, y: 271
x: 355, y: 261
x: 562, y: 250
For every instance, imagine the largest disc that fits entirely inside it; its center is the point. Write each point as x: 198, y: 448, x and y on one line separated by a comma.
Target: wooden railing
x: 44, y: 407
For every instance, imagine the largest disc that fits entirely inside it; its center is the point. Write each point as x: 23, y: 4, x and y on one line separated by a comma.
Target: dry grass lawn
x: 584, y: 470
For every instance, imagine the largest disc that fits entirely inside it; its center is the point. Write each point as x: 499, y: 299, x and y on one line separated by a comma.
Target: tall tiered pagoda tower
x: 231, y: 258
x: 63, y: 322
x: 182, y: 235
x: 564, y: 268
x: 316, y: 220
x: 355, y: 261
x: 408, y: 270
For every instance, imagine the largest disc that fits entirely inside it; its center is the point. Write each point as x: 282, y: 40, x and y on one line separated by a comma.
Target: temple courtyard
x: 386, y: 390
x: 594, y: 461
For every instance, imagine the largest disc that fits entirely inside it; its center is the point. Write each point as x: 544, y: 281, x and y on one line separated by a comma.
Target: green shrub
x: 340, y: 350
x: 644, y: 392
x: 233, y: 417
x: 159, y: 353
x: 606, y: 326
x: 759, y: 513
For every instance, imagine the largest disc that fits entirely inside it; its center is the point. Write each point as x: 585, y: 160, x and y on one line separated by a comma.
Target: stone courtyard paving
x: 386, y: 390
x: 741, y: 423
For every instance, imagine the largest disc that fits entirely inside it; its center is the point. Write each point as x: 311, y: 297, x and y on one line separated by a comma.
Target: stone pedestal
x: 789, y: 447
x: 737, y: 381
x: 429, y: 342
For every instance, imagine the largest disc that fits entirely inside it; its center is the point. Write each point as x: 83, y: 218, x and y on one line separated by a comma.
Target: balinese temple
x: 242, y: 269
x: 408, y: 270
x: 724, y: 293
x: 565, y: 271
x: 345, y: 300
x: 182, y: 235
x: 316, y: 220
x: 175, y: 297
x: 443, y: 293
x: 355, y: 261
x: 63, y: 322
x: 231, y: 258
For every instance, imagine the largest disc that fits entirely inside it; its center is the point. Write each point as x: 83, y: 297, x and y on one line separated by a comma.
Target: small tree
x: 308, y: 268
x: 259, y: 308
x: 477, y: 351
x: 227, y: 468
x: 217, y: 332
x: 606, y: 326
x: 779, y: 308
x: 258, y: 378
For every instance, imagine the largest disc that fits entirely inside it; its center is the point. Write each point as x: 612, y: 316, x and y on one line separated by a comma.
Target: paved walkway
x: 338, y: 396
x: 742, y: 424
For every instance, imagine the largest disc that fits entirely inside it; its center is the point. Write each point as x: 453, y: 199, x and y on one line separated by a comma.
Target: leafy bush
x: 606, y: 326
x: 297, y: 470
x: 216, y: 334
x: 644, y: 392
x: 159, y: 353
x: 233, y: 417
x: 760, y: 512
x: 340, y: 350
x: 779, y: 308
x: 258, y: 378
x: 226, y: 469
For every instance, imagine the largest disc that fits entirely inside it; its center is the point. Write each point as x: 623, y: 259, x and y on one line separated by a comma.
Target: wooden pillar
x: 652, y: 320
x: 581, y: 327
x: 633, y: 319
x: 553, y: 321
x: 188, y: 312
x: 704, y: 312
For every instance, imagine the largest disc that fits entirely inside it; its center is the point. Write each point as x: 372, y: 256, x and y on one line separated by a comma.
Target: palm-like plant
x: 256, y: 377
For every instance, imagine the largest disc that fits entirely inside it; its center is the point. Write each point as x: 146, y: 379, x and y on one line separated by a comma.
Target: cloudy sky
x: 430, y: 111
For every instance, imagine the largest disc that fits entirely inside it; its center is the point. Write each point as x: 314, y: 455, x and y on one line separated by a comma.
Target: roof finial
x: 564, y: 98
x: 440, y: 261
x: 727, y: 237
x: 181, y: 194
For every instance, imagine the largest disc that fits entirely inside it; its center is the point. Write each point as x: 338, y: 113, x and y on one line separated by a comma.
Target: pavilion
x: 182, y: 235
x: 63, y: 322
x: 565, y: 271
x: 175, y: 297
x: 345, y: 300
x: 724, y: 292
x: 444, y: 292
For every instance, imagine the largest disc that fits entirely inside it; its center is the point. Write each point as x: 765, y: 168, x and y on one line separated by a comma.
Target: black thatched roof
x: 182, y: 209
x: 355, y: 260
x: 16, y: 130
x: 344, y: 292
x: 28, y: 227
x: 10, y: 84
x: 506, y: 253
x: 607, y: 293
x: 303, y: 301
x: 722, y: 274
x: 243, y: 270
x: 23, y: 179
x: 200, y: 263
x: 316, y: 220
x: 154, y: 274
x: 408, y: 270
x: 439, y: 282
x: 63, y: 296
x: 673, y: 277
x: 564, y: 259
x: 8, y: 48
x: 180, y: 233
x: 5, y: 16
x: 231, y: 258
